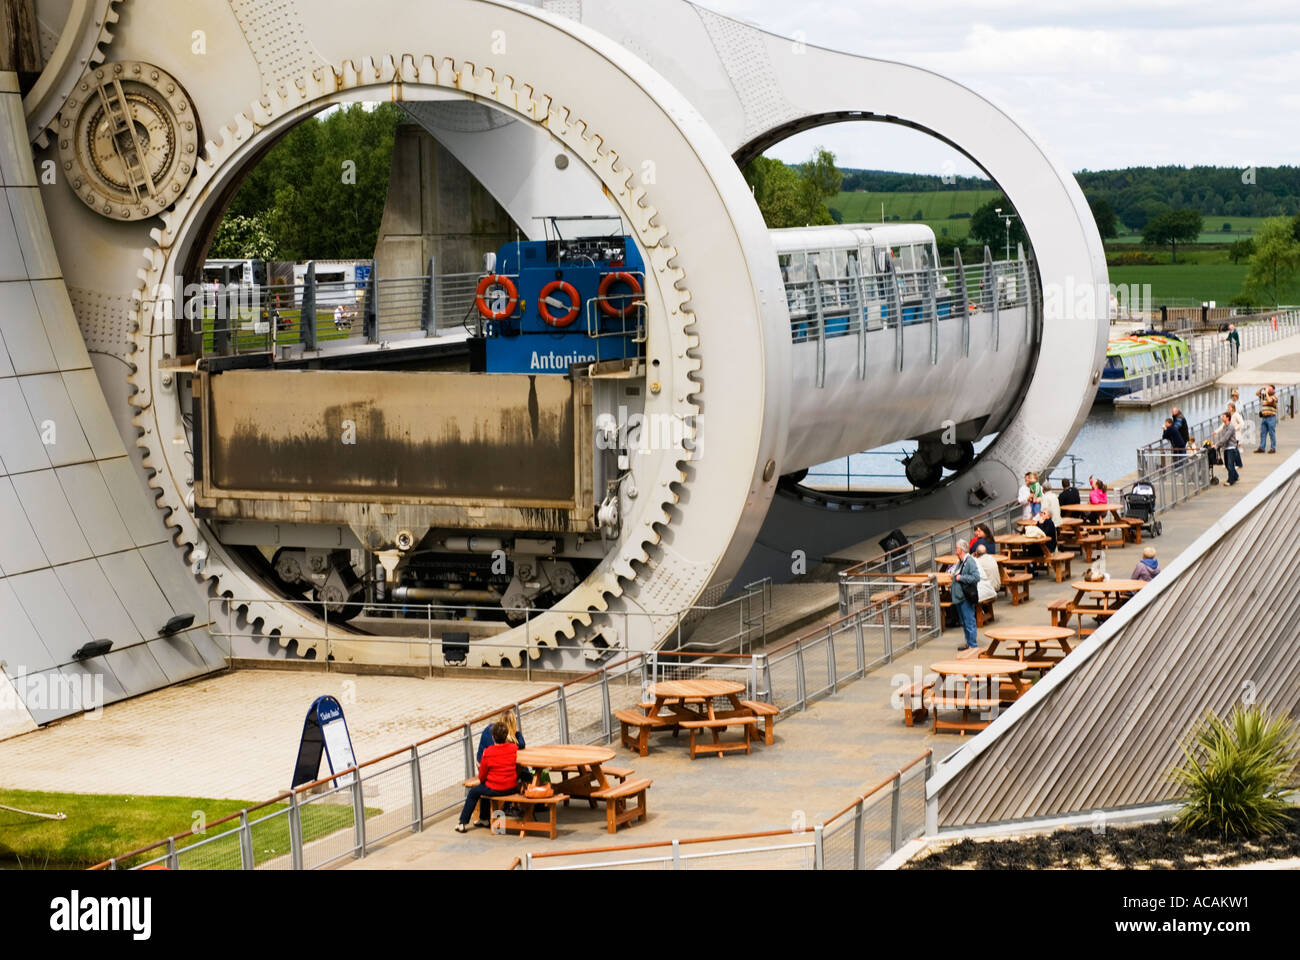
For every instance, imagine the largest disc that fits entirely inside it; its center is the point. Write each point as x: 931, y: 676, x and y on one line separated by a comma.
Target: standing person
x: 1267, y: 419
x: 1238, y: 424
x: 1026, y: 499
x: 1233, y: 339
x: 1035, y: 495
x: 496, y: 778
x: 1225, y: 440
x: 1069, y: 494
x: 1181, y: 423
x: 1174, y: 437
x: 965, y: 581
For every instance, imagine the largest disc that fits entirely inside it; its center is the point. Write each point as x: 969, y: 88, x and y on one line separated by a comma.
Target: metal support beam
x: 821, y: 328
x: 429, y: 305
x: 963, y: 301
x: 991, y: 295
x: 307, y: 316
x: 857, y: 303
x: 895, y: 311
x: 371, y: 314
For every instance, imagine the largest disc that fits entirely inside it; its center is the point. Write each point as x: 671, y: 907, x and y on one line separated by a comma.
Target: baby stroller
x: 1140, y: 504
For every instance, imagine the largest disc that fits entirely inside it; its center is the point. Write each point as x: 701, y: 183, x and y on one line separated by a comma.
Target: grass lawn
x: 1213, y: 232
x: 100, y: 826
x: 935, y: 207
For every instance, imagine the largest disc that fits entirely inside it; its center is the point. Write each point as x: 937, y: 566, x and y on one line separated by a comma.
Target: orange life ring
x: 480, y: 294
x: 607, y: 281
x: 544, y: 308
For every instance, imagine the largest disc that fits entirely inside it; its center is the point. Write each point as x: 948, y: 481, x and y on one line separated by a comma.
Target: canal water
x: 1105, y: 444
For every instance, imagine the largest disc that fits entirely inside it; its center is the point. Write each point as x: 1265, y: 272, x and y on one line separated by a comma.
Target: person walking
x: 1225, y: 441
x: 1267, y: 419
x: 1239, y: 425
x: 965, y: 583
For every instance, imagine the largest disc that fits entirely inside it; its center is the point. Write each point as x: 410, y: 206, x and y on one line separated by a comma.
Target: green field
x: 1213, y: 232
x: 935, y: 206
x: 100, y: 826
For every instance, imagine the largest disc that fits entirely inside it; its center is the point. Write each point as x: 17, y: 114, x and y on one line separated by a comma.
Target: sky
x: 1103, y: 84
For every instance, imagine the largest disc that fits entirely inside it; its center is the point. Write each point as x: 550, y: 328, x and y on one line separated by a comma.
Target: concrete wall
x: 435, y: 208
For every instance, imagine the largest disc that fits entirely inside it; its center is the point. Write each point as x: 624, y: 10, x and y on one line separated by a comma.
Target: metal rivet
x: 769, y: 469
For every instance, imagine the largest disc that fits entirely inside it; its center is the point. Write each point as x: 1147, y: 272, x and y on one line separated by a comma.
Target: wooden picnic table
x: 675, y: 694
x: 1023, y: 636
x: 980, y: 674
x: 1098, y: 510
x: 583, y: 759
x: 1110, y: 596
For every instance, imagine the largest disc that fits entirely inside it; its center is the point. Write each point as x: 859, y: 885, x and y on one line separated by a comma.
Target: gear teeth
x: 593, y: 596
x: 82, y: 55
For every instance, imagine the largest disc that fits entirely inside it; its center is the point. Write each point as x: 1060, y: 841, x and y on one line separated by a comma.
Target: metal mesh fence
x: 586, y: 711
x: 328, y: 827
x: 386, y: 795
x: 847, y: 665
x: 270, y: 841
x: 784, y: 672
x: 540, y: 721
x: 218, y: 852
x: 442, y: 771
x: 877, y: 830
x: 837, y: 845
x: 912, y: 803
x: 816, y: 671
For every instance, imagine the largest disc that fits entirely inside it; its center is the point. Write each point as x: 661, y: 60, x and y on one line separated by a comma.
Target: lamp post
x: 1006, y: 218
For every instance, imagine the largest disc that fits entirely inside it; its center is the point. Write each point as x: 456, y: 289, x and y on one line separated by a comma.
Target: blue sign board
x: 325, y: 731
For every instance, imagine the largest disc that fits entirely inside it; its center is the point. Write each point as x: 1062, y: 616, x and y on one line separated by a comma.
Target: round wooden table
x: 578, y: 763
x: 1098, y: 510
x: 681, y: 689
x: 956, y: 693
x: 1039, y: 636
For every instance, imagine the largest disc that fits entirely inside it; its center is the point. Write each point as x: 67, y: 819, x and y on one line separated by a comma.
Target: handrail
x: 949, y: 531
x: 723, y: 838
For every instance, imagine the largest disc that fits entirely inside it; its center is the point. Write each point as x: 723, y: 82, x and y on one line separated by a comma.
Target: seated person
x: 983, y: 537
x: 1147, y: 567
x: 497, y: 777
x: 513, y: 734
x: 1069, y: 494
x: 990, y: 576
x: 1097, y: 494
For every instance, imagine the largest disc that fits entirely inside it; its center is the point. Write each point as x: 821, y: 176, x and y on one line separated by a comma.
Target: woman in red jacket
x: 496, y: 777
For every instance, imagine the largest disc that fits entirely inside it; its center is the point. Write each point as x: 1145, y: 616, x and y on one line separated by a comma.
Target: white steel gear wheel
x: 666, y: 572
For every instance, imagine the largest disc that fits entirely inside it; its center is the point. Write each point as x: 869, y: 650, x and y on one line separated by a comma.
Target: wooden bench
x: 1058, y: 611
x: 963, y: 703
x: 617, y: 812
x: 1060, y: 564
x: 524, y: 824
x: 643, y: 724
x: 720, y: 747
x: 983, y: 612
x: 1108, y: 540
x: 617, y: 773
x: 1017, y: 585
x: 1134, y: 531
x: 915, y: 700
x: 768, y: 712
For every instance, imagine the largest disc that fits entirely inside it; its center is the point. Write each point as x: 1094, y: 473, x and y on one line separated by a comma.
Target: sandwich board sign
x: 324, y: 731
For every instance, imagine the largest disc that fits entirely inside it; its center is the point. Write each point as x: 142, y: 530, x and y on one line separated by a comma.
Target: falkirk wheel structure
x: 164, y: 507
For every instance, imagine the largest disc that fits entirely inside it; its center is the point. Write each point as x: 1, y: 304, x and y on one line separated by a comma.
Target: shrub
x: 1131, y: 258
x: 1236, y: 772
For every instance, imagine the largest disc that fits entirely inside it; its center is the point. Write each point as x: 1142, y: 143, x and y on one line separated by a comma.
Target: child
x: 1035, y: 495
x: 1098, y: 491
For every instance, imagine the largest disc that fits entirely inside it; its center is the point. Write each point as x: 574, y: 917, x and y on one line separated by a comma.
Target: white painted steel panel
x: 51, y: 516
x: 33, y: 232
x: 25, y: 339
x: 136, y: 669
x: 92, y: 504
x: 20, y: 550
x: 60, y: 324
x: 51, y: 410
x: 96, y: 419
x: 143, y: 519
x: 20, y: 440
x: 138, y: 591
x: 178, y: 658
x: 97, y: 603
x: 22, y: 650
x: 51, y: 612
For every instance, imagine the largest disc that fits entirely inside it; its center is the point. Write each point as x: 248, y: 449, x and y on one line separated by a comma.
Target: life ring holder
x: 544, y: 308
x: 606, y: 306
x: 480, y: 296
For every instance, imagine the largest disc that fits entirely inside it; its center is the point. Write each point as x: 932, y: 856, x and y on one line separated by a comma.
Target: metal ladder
x: 127, y: 147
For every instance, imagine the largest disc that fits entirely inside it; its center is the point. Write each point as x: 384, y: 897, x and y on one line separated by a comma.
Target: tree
x: 795, y: 197
x: 1103, y: 216
x: 989, y: 229
x: 242, y: 238
x: 1275, y: 261
x: 1170, y: 227
x: 1241, y: 249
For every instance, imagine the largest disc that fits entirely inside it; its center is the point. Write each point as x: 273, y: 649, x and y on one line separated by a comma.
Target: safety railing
x: 738, y: 623
x: 239, y: 319
x: 1174, y: 477
x: 1205, y: 361
x: 831, y: 307
x: 861, y: 836
x: 816, y: 664
x: 1159, y: 451
x: 920, y: 554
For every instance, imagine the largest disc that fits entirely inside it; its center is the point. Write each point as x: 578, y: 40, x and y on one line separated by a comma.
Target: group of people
x: 498, y: 773
x: 1232, y: 431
